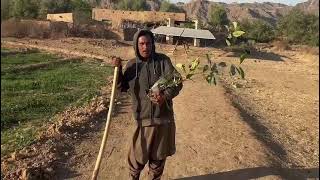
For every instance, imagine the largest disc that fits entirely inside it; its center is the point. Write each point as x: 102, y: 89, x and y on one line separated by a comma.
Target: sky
x: 288, y: 2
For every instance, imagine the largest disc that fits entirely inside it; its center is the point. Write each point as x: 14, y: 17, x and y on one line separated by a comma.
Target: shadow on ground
x: 258, y: 172
x: 260, y: 55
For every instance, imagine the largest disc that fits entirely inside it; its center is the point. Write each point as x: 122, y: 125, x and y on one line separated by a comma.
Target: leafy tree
x: 6, y: 5
x: 55, y: 6
x: 64, y: 6
x: 218, y: 17
x: 298, y: 27
x: 166, y: 6
x: 25, y: 8
x: 82, y: 6
x: 212, y: 70
x: 258, y: 30
x: 132, y: 5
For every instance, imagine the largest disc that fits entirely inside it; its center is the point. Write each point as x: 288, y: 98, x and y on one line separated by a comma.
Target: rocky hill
x: 311, y: 6
x: 267, y: 11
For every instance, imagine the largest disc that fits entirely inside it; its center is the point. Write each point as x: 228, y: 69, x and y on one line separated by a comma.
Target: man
x: 154, y: 136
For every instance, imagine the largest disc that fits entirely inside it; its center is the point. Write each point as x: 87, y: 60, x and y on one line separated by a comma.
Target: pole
x: 105, y: 135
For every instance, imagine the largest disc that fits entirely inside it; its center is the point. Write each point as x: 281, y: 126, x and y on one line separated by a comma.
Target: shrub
x: 218, y: 17
x: 258, y: 30
x: 298, y: 27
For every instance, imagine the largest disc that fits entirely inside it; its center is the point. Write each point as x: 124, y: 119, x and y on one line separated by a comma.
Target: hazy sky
x: 288, y: 2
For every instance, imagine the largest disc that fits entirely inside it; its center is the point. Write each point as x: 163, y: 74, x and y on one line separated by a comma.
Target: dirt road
x: 224, y: 132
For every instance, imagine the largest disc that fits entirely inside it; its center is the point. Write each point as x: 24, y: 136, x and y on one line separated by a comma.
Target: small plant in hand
x: 210, y: 71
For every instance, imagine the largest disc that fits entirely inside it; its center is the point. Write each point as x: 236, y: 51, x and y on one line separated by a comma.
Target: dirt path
x: 212, y: 141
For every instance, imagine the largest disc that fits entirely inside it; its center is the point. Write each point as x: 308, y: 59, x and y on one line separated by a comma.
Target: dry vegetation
x: 54, y: 30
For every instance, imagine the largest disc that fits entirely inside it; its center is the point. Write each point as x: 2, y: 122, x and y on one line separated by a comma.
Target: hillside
x: 267, y: 11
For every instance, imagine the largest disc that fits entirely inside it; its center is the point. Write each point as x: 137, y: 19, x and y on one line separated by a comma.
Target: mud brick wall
x: 116, y: 16
x: 62, y: 17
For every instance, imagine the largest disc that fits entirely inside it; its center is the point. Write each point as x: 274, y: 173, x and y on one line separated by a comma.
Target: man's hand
x: 157, y: 98
x: 116, y: 61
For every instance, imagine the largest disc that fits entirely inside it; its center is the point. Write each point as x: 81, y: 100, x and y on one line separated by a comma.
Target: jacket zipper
x: 148, y: 75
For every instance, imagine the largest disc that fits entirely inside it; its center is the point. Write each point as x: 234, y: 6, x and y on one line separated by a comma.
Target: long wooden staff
x: 105, y: 135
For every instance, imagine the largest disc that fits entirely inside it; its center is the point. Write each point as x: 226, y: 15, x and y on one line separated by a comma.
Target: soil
x: 263, y: 127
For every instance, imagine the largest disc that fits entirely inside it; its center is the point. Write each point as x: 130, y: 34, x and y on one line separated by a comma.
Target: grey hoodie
x: 138, y: 78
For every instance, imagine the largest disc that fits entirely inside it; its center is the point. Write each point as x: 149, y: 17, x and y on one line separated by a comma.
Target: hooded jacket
x: 138, y: 78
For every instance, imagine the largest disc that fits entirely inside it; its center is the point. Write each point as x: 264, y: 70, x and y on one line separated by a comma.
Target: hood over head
x: 136, y: 36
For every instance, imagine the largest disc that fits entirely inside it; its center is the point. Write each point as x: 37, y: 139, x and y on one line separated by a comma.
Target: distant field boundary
x: 59, y: 50
x: 31, y: 67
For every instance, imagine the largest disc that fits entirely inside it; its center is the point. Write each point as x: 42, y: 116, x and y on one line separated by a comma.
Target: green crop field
x: 31, y: 96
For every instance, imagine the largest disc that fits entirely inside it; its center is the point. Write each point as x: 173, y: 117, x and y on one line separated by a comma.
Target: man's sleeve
x: 171, y: 92
x: 122, y: 84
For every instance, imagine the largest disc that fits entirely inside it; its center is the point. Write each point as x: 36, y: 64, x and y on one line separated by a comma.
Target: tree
x: 166, y: 6
x: 258, y: 30
x: 55, y: 6
x: 218, y: 17
x: 298, y: 27
x: 6, y: 5
x: 25, y: 8
x: 81, y: 6
x: 64, y: 6
x: 132, y: 5
x: 212, y: 70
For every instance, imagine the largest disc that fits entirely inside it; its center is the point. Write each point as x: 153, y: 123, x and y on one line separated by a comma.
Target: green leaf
x: 238, y: 33
x: 189, y: 76
x: 238, y: 70
x: 214, y: 68
x: 242, y: 74
x: 242, y: 57
x: 235, y: 25
x: 211, y: 79
x: 205, y: 68
x: 232, y: 70
x: 222, y: 64
x: 227, y: 27
x: 181, y: 66
x: 195, y: 63
x: 228, y: 42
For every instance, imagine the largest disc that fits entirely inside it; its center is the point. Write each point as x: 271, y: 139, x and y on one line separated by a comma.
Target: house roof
x: 183, y: 32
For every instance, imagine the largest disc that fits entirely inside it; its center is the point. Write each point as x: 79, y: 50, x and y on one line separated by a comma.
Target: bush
x: 25, y: 8
x: 258, y: 30
x: 132, y: 5
x: 32, y: 9
x: 218, y: 17
x: 54, y: 6
x: 298, y: 27
x: 166, y: 6
x: 6, y: 5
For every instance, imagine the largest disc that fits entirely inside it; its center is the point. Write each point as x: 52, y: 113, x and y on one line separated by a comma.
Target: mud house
x: 128, y: 22
x: 116, y: 17
x: 73, y: 18
x: 61, y: 17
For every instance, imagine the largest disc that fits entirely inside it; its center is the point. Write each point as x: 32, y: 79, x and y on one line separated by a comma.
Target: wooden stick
x: 105, y: 135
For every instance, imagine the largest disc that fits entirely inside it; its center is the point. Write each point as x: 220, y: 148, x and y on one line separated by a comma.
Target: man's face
x: 145, y: 46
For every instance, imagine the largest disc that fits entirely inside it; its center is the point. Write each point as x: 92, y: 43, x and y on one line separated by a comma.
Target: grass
x: 30, y: 98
